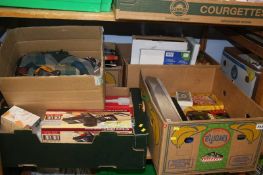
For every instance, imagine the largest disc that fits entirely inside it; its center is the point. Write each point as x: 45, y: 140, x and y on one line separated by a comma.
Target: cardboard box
x: 16, y: 119
x: 243, y: 74
x: 192, y: 11
x: 131, y: 70
x: 108, y: 149
x: 114, y: 75
x: 83, y: 126
x: 37, y: 94
x: 155, y: 43
x: 228, y: 145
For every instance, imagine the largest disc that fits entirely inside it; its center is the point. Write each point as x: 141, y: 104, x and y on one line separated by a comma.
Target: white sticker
x: 185, y: 55
x: 98, y: 80
x: 169, y: 54
x: 259, y: 126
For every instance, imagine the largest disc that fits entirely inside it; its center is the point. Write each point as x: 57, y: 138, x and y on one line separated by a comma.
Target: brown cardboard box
x: 131, y: 72
x: 226, y: 145
x: 114, y: 75
x: 57, y: 92
x: 249, y: 77
x: 196, y: 11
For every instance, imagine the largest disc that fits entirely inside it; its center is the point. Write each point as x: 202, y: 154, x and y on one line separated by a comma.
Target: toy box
x: 83, y: 126
x: 203, y: 146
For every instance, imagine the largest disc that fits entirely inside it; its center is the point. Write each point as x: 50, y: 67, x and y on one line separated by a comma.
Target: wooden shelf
x: 55, y: 14
x: 244, y: 42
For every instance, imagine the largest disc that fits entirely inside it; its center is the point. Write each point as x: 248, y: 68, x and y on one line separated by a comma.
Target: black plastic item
x: 179, y: 109
x: 108, y: 149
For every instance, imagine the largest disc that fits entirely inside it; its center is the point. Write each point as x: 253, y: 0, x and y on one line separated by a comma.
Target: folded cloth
x: 56, y: 63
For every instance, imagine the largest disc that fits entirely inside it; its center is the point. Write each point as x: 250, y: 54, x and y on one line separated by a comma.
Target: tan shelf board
x: 244, y: 42
x: 55, y: 14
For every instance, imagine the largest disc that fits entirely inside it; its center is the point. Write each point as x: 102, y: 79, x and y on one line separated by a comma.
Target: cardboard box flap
x: 55, y: 83
x: 238, y: 55
x: 39, y: 108
x: 117, y: 91
x: 124, y: 51
x: 235, y: 101
x: 58, y: 32
x: 178, y: 78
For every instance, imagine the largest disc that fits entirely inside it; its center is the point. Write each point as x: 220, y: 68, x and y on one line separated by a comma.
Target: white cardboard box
x: 194, y: 47
x: 155, y: 43
x: 244, y: 75
x: 18, y: 118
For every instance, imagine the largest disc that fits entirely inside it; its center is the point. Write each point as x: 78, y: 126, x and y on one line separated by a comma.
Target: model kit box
x: 82, y: 126
x: 37, y: 94
x: 206, y: 11
x: 203, y: 146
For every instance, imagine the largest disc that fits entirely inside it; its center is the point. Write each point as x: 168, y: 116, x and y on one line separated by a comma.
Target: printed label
x: 176, y: 57
x: 98, y: 80
x: 216, y: 138
x: 181, y: 135
x: 249, y: 130
x: 259, y: 126
x: 182, y: 8
x: 214, y: 148
x: 179, y: 7
x: 212, y: 157
x: 50, y: 136
x: 180, y: 164
x: 240, y: 160
x: 53, y: 116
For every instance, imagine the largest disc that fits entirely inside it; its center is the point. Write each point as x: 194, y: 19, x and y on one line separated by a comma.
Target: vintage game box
x: 83, y: 126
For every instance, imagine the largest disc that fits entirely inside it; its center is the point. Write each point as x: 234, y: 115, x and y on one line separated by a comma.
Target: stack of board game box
x: 83, y: 126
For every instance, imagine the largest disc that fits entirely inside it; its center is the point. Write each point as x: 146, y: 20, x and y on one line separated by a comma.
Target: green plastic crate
x: 73, y: 5
x: 122, y: 152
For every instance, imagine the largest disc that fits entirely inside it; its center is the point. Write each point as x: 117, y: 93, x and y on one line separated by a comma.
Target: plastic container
x: 72, y: 5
